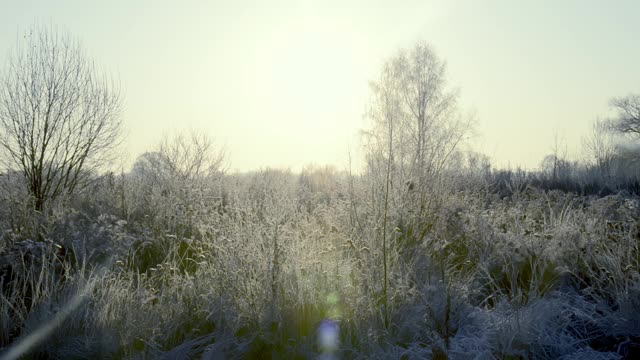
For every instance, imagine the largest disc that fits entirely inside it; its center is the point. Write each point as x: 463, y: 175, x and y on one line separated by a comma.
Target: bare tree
x: 184, y: 157
x: 190, y: 156
x: 59, y: 116
x: 600, y: 147
x: 628, y: 119
x: 556, y: 159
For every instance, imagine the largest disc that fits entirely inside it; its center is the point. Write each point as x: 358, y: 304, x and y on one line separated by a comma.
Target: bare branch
x: 628, y: 119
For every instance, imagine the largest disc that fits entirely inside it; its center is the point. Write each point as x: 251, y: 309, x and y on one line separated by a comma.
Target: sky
x: 284, y: 83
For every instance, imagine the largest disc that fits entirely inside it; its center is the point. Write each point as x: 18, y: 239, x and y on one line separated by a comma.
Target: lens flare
x: 328, y: 338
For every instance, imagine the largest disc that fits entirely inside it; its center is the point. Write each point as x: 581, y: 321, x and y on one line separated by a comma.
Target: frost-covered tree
x: 416, y: 122
x: 416, y: 127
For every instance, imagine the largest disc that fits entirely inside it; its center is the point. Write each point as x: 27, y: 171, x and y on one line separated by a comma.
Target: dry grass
x: 534, y: 275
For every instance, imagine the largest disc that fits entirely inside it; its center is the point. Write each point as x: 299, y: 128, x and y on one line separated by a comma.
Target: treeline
x: 622, y: 175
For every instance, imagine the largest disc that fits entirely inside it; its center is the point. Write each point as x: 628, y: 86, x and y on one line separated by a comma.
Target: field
x: 274, y: 264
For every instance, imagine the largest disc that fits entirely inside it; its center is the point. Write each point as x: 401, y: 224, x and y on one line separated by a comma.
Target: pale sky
x: 284, y: 83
